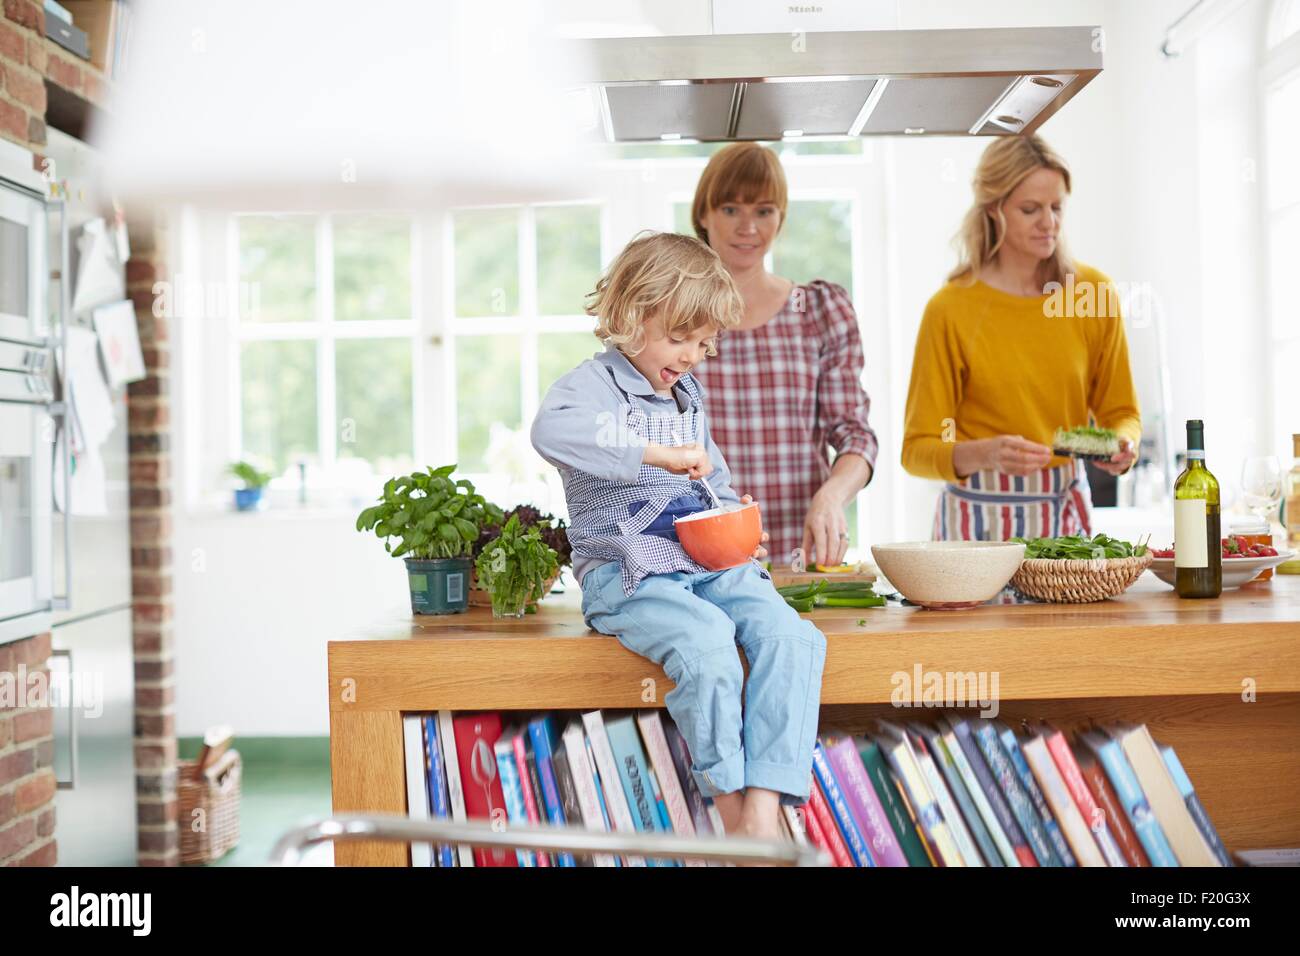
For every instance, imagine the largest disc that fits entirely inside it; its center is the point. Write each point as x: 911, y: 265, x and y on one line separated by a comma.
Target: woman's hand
x: 1121, y: 460
x: 689, y: 460
x: 825, y: 530
x: 760, y: 552
x: 1009, y: 454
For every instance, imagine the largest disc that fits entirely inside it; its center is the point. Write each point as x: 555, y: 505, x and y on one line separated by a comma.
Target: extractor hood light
x: 791, y: 133
x: 914, y: 130
x: 1021, y: 102
x: 670, y: 137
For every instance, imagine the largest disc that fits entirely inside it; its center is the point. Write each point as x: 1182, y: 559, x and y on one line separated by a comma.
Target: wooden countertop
x: 1147, y: 642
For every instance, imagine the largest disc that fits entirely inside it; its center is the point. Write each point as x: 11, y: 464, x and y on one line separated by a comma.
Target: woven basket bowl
x: 1078, y: 582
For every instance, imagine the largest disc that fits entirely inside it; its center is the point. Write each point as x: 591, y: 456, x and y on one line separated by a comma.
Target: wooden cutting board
x: 784, y: 576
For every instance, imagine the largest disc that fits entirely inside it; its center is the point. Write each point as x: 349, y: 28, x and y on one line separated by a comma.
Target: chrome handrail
x: 288, y: 850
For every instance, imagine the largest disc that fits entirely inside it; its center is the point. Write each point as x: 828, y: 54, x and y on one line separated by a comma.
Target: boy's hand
x: 760, y: 552
x: 690, y: 460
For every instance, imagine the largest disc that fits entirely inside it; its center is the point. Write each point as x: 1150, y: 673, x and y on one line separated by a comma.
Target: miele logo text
x: 102, y: 909
x: 804, y: 8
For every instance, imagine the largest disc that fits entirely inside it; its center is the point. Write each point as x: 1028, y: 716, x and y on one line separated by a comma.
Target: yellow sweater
x: 991, y: 363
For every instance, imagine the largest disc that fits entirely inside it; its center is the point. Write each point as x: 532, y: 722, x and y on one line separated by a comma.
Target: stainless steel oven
x: 30, y: 413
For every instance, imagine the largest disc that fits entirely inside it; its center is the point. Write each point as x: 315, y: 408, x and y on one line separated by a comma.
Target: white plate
x: 1236, y: 571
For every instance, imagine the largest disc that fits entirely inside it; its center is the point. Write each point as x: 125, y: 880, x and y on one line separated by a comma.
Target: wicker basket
x: 1078, y: 581
x: 208, y: 836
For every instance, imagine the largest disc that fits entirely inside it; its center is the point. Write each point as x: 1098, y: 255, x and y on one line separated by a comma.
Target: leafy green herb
x: 515, y: 566
x: 1079, y: 547
x: 430, y: 515
x: 252, y: 476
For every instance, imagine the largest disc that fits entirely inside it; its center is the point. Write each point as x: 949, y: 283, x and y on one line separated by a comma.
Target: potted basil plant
x: 516, y: 567
x: 249, y: 497
x: 436, y: 521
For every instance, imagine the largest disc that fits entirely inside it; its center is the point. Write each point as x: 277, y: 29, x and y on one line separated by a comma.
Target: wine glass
x: 1261, y: 486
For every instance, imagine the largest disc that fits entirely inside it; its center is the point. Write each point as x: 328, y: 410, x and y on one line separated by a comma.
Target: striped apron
x: 991, y: 506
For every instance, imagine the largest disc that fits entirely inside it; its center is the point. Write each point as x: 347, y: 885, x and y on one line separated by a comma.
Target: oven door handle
x: 62, y: 409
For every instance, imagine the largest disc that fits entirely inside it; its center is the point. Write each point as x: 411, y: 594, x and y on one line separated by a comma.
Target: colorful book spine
x: 455, y: 794
x: 1082, y: 796
x: 661, y: 762
x: 986, y: 738
x: 1006, y: 853
x: 569, y: 798
x: 1102, y: 792
x: 417, y: 784
x: 826, y: 825
x: 863, y: 803
x: 899, y: 754
x: 1131, y: 798
x: 519, y: 744
x: 901, y: 820
x: 849, y: 823
x: 584, y: 785
x: 514, y: 794
x: 1024, y: 856
x: 1067, y: 813
x: 815, y: 835
x: 1059, y: 843
x: 541, y: 732
x: 438, y: 803
x: 966, y: 806
x: 1194, y: 807
x: 1191, y: 848
x: 681, y: 754
x: 610, y: 782
x: 634, y: 776
x: 961, y: 835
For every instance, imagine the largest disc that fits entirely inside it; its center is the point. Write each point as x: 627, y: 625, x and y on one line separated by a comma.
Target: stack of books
x: 951, y: 792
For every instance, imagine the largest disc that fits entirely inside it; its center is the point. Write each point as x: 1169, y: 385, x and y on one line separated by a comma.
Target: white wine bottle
x: 1198, y: 552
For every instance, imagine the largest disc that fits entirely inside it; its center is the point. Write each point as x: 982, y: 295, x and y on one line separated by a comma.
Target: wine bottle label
x: 1191, y: 548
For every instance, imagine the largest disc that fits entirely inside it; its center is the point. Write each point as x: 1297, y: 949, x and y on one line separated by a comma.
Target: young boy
x: 627, y: 431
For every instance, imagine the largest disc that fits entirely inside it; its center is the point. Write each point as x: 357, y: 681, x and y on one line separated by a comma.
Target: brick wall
x: 26, y: 755
x: 28, y: 830
x: 151, y: 559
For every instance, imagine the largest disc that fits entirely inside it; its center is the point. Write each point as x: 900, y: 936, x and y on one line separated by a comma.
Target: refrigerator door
x: 92, y: 687
x: 101, y: 543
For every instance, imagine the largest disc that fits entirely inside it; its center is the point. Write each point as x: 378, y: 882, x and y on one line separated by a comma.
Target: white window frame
x: 325, y: 330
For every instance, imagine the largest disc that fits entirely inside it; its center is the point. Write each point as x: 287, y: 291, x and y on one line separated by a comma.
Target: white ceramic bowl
x: 1236, y: 571
x: 949, y: 574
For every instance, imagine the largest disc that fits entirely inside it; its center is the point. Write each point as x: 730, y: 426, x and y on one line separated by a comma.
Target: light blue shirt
x: 593, y: 426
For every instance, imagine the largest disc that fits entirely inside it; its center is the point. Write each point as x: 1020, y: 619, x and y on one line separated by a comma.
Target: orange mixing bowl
x: 721, y: 539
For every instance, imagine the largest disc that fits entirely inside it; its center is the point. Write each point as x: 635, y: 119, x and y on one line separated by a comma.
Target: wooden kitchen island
x: 1185, y: 668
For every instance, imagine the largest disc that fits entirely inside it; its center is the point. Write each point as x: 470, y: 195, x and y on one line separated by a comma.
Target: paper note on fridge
x: 119, y: 342
x: 90, y: 421
x: 101, y: 275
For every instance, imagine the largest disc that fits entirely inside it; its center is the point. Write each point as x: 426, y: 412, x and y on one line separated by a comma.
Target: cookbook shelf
x: 1218, y: 680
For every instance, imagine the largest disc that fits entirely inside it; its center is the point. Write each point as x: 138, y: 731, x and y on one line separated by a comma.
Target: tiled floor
x: 285, y: 782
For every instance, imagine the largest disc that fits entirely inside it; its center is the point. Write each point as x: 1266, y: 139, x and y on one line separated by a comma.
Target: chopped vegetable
x: 805, y: 597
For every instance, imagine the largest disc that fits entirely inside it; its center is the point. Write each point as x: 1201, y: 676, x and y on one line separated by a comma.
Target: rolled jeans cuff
x: 725, y: 776
x: 794, y: 786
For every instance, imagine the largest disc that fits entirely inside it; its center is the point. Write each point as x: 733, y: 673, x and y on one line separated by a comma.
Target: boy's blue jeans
x: 690, y: 624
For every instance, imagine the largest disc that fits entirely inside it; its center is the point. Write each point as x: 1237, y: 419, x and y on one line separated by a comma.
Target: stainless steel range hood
x: 985, y: 82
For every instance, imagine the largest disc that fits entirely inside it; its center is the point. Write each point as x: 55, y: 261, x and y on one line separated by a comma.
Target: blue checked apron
x: 991, y: 506
x: 633, y: 523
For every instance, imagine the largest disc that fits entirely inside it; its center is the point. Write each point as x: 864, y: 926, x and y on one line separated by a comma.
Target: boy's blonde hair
x: 663, y: 274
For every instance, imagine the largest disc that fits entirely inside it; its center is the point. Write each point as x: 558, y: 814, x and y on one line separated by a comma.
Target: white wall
x: 1157, y: 147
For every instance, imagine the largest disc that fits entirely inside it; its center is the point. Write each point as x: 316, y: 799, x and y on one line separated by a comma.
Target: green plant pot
x: 438, y: 585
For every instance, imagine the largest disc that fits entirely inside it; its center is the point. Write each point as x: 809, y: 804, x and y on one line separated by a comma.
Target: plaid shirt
x: 778, y: 395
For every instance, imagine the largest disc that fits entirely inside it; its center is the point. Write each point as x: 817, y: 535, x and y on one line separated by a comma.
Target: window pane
x: 277, y: 260
x: 487, y: 393
x: 820, y: 147
x: 568, y: 257
x: 372, y: 268
x: 1284, y: 145
x: 1284, y: 253
x: 682, y: 218
x: 278, y: 381
x: 816, y: 242
x: 560, y: 352
x: 487, y: 262
x: 373, y: 401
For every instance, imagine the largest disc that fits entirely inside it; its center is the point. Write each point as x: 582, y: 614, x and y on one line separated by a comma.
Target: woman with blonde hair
x: 1020, y: 341
x: 786, y: 385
